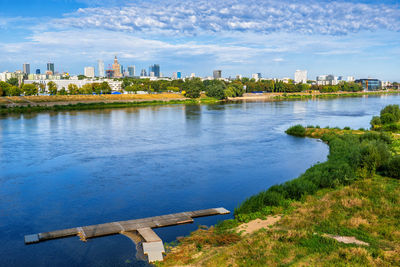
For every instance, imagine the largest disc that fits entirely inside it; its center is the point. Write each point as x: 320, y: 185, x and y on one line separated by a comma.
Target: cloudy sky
x: 274, y: 37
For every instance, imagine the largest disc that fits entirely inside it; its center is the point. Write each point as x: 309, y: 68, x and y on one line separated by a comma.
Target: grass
x: 66, y: 98
x: 4, y: 110
x: 368, y: 209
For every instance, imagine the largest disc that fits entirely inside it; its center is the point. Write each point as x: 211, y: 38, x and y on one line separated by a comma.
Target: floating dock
x: 138, y: 230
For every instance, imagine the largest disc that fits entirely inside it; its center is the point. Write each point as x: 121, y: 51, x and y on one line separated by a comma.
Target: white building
x: 89, y: 72
x: 100, y: 69
x: 239, y: 76
x: 300, y: 76
x: 350, y: 78
x: 115, y: 85
x: 256, y: 76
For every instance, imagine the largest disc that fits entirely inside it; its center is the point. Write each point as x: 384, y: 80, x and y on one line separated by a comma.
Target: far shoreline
x: 31, y: 104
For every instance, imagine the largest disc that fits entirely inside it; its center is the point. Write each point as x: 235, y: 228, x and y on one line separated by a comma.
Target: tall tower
x: 26, y: 68
x: 101, y: 68
x: 50, y: 67
x: 116, y: 68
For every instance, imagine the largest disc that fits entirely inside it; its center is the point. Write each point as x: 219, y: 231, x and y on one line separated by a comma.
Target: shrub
x: 376, y: 120
x: 393, y: 167
x: 393, y: 110
x: 347, y: 128
x: 392, y: 127
x: 388, y: 118
x: 297, y: 130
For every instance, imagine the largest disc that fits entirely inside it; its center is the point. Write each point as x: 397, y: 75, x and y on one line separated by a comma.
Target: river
x: 68, y: 169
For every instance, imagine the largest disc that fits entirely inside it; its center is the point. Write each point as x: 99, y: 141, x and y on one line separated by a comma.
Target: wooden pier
x: 138, y: 230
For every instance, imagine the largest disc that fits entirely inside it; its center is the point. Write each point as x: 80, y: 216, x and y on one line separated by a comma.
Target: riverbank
x: 340, y: 212
x: 27, y: 104
x: 87, y: 105
x: 307, y: 95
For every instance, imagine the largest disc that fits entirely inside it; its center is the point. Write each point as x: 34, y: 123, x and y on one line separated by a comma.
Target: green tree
x: 81, y: 77
x: 73, y: 89
x: 29, y: 89
x: 62, y: 91
x: 42, y: 88
x: 193, y: 87
x: 86, y: 89
x: 13, y: 91
x: 52, y: 87
x: 13, y: 81
x: 105, y: 88
x: 216, y: 89
x: 391, y: 109
x: 4, y: 88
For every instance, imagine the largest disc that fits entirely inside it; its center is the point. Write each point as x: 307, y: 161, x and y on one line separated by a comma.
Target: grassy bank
x: 348, y: 197
x: 286, y: 96
x: 367, y: 210
x: 97, y: 105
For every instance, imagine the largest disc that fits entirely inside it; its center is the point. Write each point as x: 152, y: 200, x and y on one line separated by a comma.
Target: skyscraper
x: 143, y: 73
x: 116, y: 68
x: 131, y: 71
x: 100, y: 68
x: 300, y: 76
x: 26, y: 68
x: 89, y: 72
x: 217, y: 74
x: 156, y: 69
x: 37, y: 71
x: 50, y: 67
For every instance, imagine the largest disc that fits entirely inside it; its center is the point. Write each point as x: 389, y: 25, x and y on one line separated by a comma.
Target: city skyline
x: 275, y: 38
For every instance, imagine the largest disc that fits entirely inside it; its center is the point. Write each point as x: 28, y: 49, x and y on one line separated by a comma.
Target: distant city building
x: 217, y: 74
x: 109, y: 73
x: 300, y: 76
x: 192, y: 75
x: 131, y: 71
x: 152, y: 74
x: 156, y: 69
x: 50, y: 67
x: 256, y: 76
x: 26, y: 68
x: 143, y: 73
x: 89, y: 72
x: 239, y: 77
x: 326, y: 80
x: 116, y: 67
x: 370, y: 84
x: 350, y: 78
x: 100, y: 68
x: 37, y: 71
x: 122, y: 70
x: 177, y: 75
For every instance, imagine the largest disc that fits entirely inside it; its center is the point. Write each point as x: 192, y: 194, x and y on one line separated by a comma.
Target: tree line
x: 11, y: 88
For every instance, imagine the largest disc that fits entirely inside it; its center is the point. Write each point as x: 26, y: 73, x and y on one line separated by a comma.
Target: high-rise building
x: 122, y: 70
x: 26, y: 67
x: 131, y: 71
x: 326, y: 79
x: 116, y: 68
x: 100, y: 68
x: 50, y: 67
x: 37, y: 71
x: 217, y: 74
x: 300, y: 76
x: 156, y: 69
x: 177, y: 75
x: 143, y: 73
x: 89, y: 72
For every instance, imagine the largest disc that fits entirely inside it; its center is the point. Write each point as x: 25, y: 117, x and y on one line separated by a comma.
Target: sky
x: 272, y: 37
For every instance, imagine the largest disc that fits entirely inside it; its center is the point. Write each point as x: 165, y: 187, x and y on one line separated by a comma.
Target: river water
x: 69, y: 169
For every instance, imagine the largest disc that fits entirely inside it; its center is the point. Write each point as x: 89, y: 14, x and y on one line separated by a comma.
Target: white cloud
x: 268, y: 16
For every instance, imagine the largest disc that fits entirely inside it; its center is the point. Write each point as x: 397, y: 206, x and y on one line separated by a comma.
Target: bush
x: 393, y: 167
x: 297, y: 130
x: 347, y: 128
x: 388, y: 118
x: 376, y: 120
x: 393, y: 110
x: 216, y: 89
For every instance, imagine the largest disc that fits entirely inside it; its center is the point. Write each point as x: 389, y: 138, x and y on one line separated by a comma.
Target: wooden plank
x: 104, y: 229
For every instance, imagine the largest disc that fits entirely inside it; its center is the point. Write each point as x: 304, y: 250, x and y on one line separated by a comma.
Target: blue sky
x: 274, y: 37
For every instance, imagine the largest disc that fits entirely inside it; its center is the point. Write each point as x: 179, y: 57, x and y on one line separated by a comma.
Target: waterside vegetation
x: 354, y: 195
